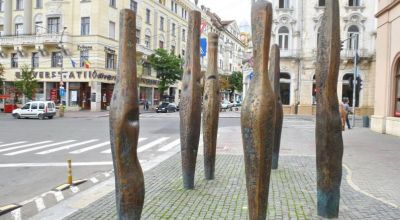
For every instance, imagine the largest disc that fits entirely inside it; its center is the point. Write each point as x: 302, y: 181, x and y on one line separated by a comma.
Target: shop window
x: 354, y: 3
x: 85, y: 26
x: 53, y: 25
x: 285, y: 88
x: 397, y: 100
x: 133, y: 5
x: 35, y: 59
x: 283, y: 38
x: 14, y: 60
x: 110, y: 61
x: 56, y: 59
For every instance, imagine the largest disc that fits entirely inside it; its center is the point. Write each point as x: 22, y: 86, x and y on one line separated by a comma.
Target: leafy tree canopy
x: 27, y: 83
x: 236, y: 81
x: 168, y: 68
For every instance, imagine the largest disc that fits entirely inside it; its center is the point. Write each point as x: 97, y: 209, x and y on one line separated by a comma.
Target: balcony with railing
x: 32, y: 40
x: 350, y: 53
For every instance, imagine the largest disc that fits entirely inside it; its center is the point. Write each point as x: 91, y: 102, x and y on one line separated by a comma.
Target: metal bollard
x: 69, y: 178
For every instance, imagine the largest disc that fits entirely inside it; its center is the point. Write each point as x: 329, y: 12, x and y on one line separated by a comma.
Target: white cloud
x: 238, y: 10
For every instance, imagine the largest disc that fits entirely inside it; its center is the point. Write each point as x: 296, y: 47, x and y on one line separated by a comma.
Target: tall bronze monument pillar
x: 274, y: 77
x: 211, y: 107
x: 190, y: 111
x: 124, y: 125
x: 328, y: 132
x: 257, y: 115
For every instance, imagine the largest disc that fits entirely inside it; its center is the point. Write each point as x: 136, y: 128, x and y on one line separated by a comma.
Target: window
x: 19, y: 5
x: 183, y: 35
x: 113, y: 3
x: 111, y: 30
x: 39, y: 3
x: 1, y: 5
x: 85, y: 26
x: 147, y: 16
x: 56, y: 59
x: 283, y: 3
x: 161, y: 2
x: 321, y: 3
x: 173, y: 29
x: 34, y: 105
x: 84, y: 56
x: 146, y: 69
x: 221, y: 64
x: 19, y: 29
x: 397, y: 101
x: 133, y: 5
x: 147, y: 41
x: 38, y: 27
x: 172, y: 5
x: 41, y: 105
x: 183, y: 53
x: 1, y: 29
x: 137, y: 36
x: 285, y: 88
x: 283, y: 38
x: 354, y: 3
x: 162, y: 23
x: 176, y: 8
x: 14, y: 60
x: 173, y: 49
x: 353, y: 34
x: 161, y: 44
x: 35, y: 59
x: 110, y: 61
x: 53, y: 25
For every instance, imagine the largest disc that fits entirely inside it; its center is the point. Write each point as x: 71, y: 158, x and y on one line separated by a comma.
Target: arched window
x: 19, y: 25
x: 285, y: 88
x: 354, y: 2
x: 347, y: 89
x: 321, y: 3
x: 353, y: 33
x: 397, y: 95
x: 39, y: 24
x: 283, y: 38
x: 283, y: 3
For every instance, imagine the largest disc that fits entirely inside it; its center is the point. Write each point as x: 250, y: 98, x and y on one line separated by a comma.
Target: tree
x: 224, y: 83
x: 168, y: 68
x: 27, y: 84
x: 236, y: 82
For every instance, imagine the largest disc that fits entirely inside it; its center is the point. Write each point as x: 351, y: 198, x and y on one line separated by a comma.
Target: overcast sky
x: 238, y: 10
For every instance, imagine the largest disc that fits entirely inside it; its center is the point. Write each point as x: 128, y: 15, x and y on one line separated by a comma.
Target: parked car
x: 237, y: 103
x: 36, y: 109
x: 225, y: 104
x: 167, y: 107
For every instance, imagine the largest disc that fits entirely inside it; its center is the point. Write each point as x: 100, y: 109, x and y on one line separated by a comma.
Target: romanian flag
x: 86, y: 63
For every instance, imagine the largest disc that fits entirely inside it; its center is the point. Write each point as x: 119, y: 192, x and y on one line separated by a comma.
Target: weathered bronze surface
x: 329, y: 142
x: 211, y: 108
x: 124, y: 125
x: 274, y: 77
x: 190, y: 112
x: 257, y: 115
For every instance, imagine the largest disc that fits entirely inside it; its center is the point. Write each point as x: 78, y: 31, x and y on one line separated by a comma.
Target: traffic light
x: 359, y: 83
x: 341, y: 45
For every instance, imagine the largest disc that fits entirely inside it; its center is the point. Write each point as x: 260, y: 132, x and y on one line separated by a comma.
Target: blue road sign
x: 62, y: 91
x: 203, y: 47
x: 251, y: 75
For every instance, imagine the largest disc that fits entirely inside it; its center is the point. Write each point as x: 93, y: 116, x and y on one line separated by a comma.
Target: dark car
x: 167, y: 107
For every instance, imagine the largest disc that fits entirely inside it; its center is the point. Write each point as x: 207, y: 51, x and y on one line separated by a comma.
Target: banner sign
x: 203, y: 47
x: 71, y: 75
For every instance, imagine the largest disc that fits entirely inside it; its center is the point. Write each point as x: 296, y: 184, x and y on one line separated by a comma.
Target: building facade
x: 386, y: 118
x: 73, y: 44
x: 295, y: 30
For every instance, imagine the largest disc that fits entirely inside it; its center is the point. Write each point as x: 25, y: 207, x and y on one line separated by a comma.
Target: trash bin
x: 366, y: 121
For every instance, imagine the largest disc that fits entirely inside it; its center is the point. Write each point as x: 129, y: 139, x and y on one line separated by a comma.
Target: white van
x: 36, y: 109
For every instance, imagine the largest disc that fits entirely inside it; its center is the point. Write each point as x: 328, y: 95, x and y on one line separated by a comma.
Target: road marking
x: 74, y: 189
x: 151, y: 144
x: 66, y: 147
x: 63, y: 164
x: 15, y: 143
x: 108, y: 151
x: 16, y: 214
x: 40, y: 204
x: 94, y: 180
x: 59, y: 196
x: 23, y: 146
x: 90, y: 148
x: 170, y: 145
x: 38, y: 148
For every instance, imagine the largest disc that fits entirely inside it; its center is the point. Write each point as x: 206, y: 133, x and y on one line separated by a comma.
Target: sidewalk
x: 369, y: 184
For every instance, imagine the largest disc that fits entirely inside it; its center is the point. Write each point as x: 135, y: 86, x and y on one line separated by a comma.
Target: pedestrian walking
x: 348, y: 111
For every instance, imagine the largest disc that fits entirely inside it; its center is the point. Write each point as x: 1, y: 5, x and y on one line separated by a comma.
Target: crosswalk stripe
x: 90, y: 148
x: 15, y: 143
x: 67, y: 147
x: 38, y: 148
x: 26, y: 145
x: 152, y: 144
x: 170, y: 145
x: 108, y: 151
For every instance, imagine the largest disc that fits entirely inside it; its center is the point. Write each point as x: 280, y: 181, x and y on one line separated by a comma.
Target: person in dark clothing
x: 347, y: 110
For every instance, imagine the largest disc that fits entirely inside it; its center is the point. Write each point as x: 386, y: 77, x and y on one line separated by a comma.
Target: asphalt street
x: 33, y: 153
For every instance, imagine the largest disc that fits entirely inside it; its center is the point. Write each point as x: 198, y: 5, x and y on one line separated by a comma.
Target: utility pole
x: 62, y: 89
x: 354, y: 89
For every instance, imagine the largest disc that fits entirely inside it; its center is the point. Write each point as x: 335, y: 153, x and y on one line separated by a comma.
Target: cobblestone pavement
x: 292, y: 194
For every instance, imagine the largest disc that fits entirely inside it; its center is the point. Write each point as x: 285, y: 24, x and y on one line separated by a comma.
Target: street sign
x: 251, y: 75
x: 203, y: 47
x: 62, y: 91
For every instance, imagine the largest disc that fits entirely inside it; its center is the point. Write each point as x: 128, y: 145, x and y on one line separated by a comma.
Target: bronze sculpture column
x: 258, y: 113
x: 211, y: 107
x: 274, y: 77
x: 124, y: 125
x: 190, y: 111
x: 328, y: 132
